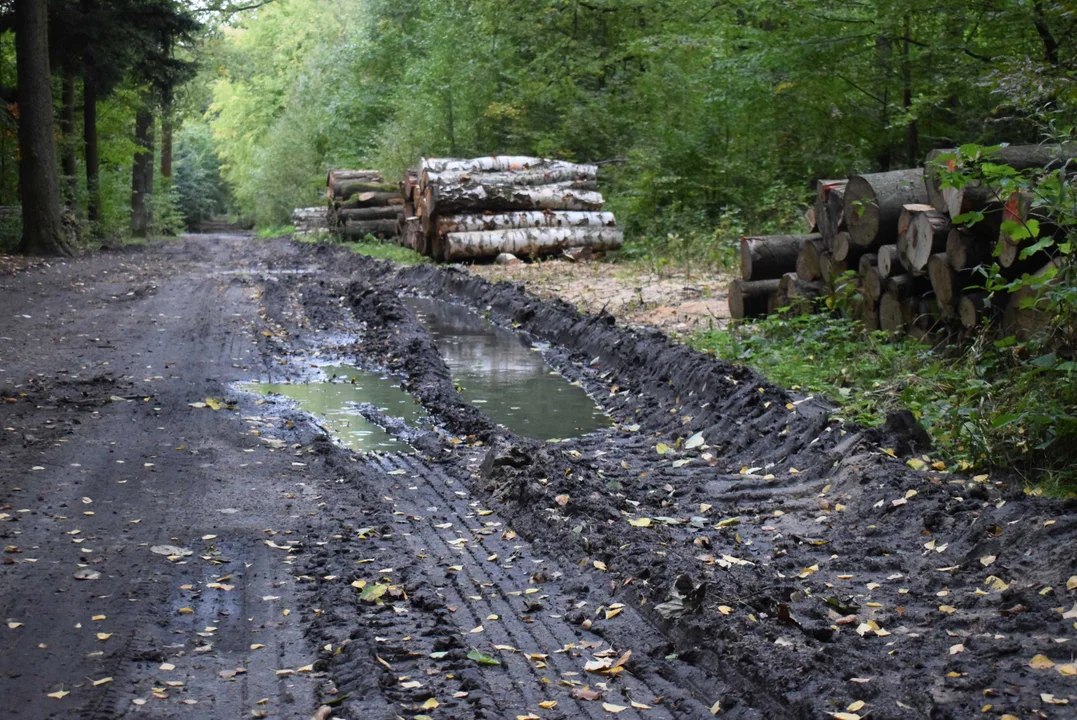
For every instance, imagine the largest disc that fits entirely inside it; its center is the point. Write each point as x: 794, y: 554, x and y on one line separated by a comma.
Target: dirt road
x: 178, y: 548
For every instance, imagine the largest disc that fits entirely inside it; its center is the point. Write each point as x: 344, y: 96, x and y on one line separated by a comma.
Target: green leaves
x: 482, y: 658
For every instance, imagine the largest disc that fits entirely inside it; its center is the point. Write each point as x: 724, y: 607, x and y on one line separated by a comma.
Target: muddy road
x: 178, y: 544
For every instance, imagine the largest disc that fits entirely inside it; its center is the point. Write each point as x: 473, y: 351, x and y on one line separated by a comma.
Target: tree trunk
x: 873, y: 204
x: 42, y: 231
x: 891, y: 316
x: 965, y: 252
x: 810, y: 225
x: 923, y: 232
x: 751, y: 298
x: 89, y: 138
x: 527, y: 241
x: 869, y: 314
x: 945, y: 281
x: 770, y: 256
x: 497, y: 163
x: 142, y: 174
x: 516, y: 220
x: 358, y: 229
x: 582, y: 177
x: 808, y: 260
x: 843, y: 249
x: 445, y: 199
x: 68, y: 159
x: 167, y: 119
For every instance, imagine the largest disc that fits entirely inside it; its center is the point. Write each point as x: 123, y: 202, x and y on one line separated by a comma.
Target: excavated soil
x: 726, y: 547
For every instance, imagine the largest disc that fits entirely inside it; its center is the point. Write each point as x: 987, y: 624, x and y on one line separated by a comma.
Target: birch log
x: 526, y: 219
x: 495, y: 163
x: 527, y: 241
x: 583, y: 176
x: 445, y: 199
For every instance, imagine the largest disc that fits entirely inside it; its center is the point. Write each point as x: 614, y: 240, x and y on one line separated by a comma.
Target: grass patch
x: 275, y: 231
x: 995, y: 406
x: 371, y: 248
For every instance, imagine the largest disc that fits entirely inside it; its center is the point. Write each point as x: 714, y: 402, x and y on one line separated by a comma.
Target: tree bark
x: 142, y: 174
x: 924, y: 234
x: 498, y: 163
x: 529, y: 219
x: 751, y: 298
x: 68, y: 159
x: 527, y: 241
x: 42, y: 231
x: 581, y: 176
x: 770, y: 256
x: 90, y: 152
x: 873, y: 204
x: 807, y: 266
x: 446, y: 199
x: 343, y: 190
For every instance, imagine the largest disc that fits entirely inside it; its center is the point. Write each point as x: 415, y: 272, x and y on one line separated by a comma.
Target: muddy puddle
x: 505, y: 376
x: 335, y: 400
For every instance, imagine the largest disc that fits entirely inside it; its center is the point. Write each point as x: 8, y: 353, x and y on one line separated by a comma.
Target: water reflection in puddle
x: 334, y: 402
x: 505, y: 377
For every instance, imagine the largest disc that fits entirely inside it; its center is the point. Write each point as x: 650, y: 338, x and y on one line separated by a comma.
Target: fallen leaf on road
x: 171, y: 551
x: 87, y: 574
x: 102, y: 681
x: 1041, y: 662
x: 611, y: 708
x: 482, y: 658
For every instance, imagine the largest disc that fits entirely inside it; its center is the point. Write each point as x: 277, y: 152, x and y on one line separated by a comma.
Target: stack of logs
x: 468, y: 209
x: 310, y: 220
x: 361, y: 203
x: 913, y: 266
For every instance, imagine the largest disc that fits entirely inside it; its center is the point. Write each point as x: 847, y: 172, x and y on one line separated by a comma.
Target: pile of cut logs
x: 361, y: 203
x: 913, y: 266
x: 310, y: 220
x: 467, y: 209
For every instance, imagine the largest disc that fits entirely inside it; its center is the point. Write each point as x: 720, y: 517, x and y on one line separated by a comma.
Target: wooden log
x: 871, y: 282
x: 527, y: 241
x: 807, y: 266
x: 973, y: 309
x: 383, y: 212
x: 830, y: 269
x: 526, y: 219
x: 335, y: 176
x: 973, y: 196
x: 924, y: 235
x: 349, y: 188
x: 946, y: 282
x: 869, y: 314
x: 580, y: 176
x: 810, y: 224
x: 822, y: 215
x: 749, y: 298
x: 371, y: 199
x: 357, y: 229
x: 835, y: 211
x: 907, y: 285
x: 1019, y: 209
x: 873, y: 204
x: 843, y: 249
x: 891, y: 316
x: 448, y: 199
x: 888, y: 262
x: 1026, y: 322
x: 798, y: 293
x: 965, y: 251
x: 500, y: 163
x: 770, y: 256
